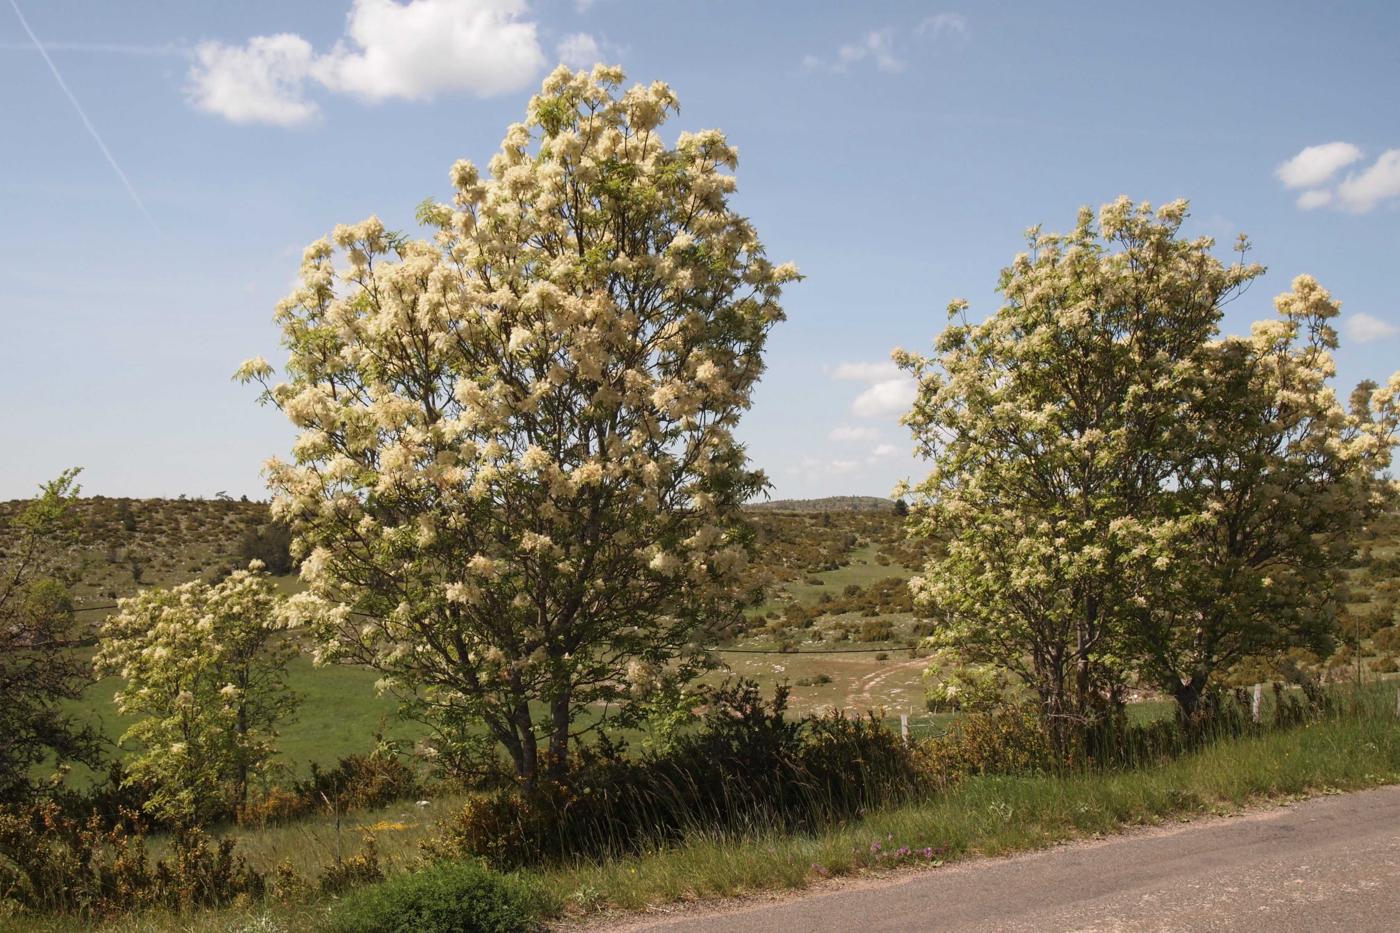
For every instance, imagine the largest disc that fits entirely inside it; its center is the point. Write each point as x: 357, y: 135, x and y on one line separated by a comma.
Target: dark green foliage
x: 271, y: 544
x: 449, y: 897
x: 359, y: 782
x: 53, y: 862
x: 749, y: 767
x: 38, y: 669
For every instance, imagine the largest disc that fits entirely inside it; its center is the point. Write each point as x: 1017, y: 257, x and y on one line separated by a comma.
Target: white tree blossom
x: 516, y: 471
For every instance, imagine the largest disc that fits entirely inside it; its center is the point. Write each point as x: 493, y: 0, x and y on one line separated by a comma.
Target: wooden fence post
x: 904, y: 726
x: 1256, y: 702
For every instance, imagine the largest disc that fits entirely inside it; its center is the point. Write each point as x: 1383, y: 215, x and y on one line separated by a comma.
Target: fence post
x: 904, y: 725
x: 1397, y: 701
x: 1256, y: 702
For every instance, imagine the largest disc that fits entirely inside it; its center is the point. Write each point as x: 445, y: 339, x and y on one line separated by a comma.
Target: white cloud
x: 1381, y: 182
x: 886, y: 48
x: 391, y: 49
x: 579, y: 50
x: 260, y: 82
x: 418, y: 48
x: 1313, y: 198
x: 882, y: 451
x: 943, y: 24
x: 1316, y: 165
x: 867, y: 372
x: 885, y: 399
x: 812, y: 465
x: 846, y: 432
x: 891, y: 390
x: 1363, y: 328
x: 877, y: 46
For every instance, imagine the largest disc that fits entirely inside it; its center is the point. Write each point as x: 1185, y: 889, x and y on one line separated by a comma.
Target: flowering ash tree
x: 517, y: 474
x: 1052, y: 428
x: 205, y: 667
x: 1119, y: 493
x: 1274, y: 492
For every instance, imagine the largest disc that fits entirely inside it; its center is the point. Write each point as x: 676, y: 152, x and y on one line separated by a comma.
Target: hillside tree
x: 40, y: 667
x: 517, y: 472
x: 204, y: 667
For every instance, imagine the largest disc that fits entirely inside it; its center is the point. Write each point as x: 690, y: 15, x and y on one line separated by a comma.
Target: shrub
x: 54, y: 862
x: 876, y: 630
x: 360, y: 869
x: 1008, y: 739
x: 1387, y: 639
x: 749, y: 767
x: 461, y: 897
x: 360, y: 782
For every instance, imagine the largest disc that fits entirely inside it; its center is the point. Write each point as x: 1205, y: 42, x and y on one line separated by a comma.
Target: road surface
x: 1331, y: 863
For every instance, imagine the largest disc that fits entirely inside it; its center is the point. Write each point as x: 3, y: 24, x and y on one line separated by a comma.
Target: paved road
x: 1326, y: 864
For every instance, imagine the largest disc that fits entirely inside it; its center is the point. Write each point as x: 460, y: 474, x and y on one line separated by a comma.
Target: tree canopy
x: 1119, y: 491
x: 517, y: 473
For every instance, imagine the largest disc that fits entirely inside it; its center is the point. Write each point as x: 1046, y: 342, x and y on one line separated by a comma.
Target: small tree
x: 517, y: 472
x: 205, y: 666
x: 271, y: 544
x: 1054, y: 427
x: 39, y: 667
x: 1274, y: 491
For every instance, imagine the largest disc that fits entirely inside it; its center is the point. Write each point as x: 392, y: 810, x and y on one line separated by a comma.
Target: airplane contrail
x: 114, y: 48
x: 111, y: 160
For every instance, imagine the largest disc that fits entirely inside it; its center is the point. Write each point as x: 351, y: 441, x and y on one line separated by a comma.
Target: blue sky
x: 895, y: 151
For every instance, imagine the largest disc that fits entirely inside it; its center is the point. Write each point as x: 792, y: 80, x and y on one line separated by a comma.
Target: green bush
x: 360, y: 782
x: 748, y: 768
x: 876, y: 630
x: 449, y: 897
x: 57, y: 863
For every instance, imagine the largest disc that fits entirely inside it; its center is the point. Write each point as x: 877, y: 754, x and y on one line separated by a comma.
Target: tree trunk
x: 1188, y: 698
x: 527, y: 762
x: 559, y: 735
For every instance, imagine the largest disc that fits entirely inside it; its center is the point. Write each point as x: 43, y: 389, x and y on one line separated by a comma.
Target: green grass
x: 990, y: 815
x: 339, y: 714
x: 996, y: 815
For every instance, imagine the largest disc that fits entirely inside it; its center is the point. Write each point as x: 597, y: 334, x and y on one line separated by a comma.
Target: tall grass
x: 1353, y: 745
x: 1357, y: 746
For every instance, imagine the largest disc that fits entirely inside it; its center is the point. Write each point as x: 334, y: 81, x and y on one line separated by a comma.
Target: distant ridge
x: 827, y: 504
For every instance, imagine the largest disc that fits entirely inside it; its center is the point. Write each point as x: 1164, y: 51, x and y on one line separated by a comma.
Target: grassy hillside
x: 836, y: 624
x: 126, y: 544
x: 827, y: 504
